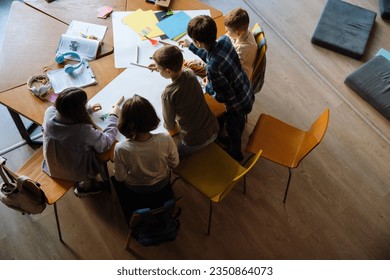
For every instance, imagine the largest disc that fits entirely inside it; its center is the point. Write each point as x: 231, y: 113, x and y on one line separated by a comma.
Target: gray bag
x: 20, y: 192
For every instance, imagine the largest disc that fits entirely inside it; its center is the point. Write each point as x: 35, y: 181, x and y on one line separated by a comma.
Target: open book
x: 81, y: 77
x: 83, y: 38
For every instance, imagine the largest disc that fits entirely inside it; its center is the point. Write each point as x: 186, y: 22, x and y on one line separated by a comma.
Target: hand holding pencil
x: 115, y: 110
x: 151, y: 67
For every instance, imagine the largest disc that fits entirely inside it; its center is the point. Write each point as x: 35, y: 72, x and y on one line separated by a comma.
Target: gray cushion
x: 372, y: 82
x: 344, y: 28
x: 384, y: 8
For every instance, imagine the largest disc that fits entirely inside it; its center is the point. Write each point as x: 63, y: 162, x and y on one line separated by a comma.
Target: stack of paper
x: 127, y: 40
x: 104, y: 12
x: 143, y: 23
x: 175, y: 26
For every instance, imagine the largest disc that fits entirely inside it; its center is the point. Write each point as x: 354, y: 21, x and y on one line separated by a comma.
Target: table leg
x: 24, y: 131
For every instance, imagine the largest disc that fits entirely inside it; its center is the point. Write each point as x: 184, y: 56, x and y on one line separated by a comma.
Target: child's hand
x: 152, y: 67
x: 115, y: 110
x: 93, y: 108
x: 96, y: 107
x: 198, y: 66
x: 184, y: 43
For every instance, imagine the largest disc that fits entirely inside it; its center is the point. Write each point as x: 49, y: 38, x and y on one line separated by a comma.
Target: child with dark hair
x: 183, y: 102
x: 226, y: 80
x: 71, y: 141
x: 143, y: 162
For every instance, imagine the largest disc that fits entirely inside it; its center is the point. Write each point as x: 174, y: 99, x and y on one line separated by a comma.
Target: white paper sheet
x: 134, y: 80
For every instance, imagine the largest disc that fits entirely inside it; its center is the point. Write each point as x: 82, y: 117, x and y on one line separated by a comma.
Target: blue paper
x: 175, y: 25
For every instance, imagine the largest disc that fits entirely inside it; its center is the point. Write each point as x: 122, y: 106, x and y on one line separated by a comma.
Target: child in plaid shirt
x: 226, y: 81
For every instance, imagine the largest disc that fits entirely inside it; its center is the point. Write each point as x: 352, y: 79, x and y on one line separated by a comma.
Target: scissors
x: 167, y: 14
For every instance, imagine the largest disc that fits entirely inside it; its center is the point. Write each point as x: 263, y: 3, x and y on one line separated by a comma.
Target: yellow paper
x: 143, y: 22
x: 179, y: 36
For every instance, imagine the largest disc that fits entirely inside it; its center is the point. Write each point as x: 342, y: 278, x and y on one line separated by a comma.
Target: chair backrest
x: 313, y: 136
x: 156, y: 226
x: 259, y: 65
x: 243, y: 171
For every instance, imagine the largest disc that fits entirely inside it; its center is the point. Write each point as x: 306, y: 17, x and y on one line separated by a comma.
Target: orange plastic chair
x: 213, y: 173
x: 216, y: 107
x: 285, y: 144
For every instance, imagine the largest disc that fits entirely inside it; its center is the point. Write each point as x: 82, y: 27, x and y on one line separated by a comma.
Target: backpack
x: 151, y: 227
x: 20, y: 192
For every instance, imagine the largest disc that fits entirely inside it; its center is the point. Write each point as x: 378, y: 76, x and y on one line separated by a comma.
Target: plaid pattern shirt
x: 227, y: 80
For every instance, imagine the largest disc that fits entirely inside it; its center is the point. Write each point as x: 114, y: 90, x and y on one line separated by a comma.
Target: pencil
x: 167, y: 44
x: 139, y: 65
x: 137, y: 52
x: 120, y: 101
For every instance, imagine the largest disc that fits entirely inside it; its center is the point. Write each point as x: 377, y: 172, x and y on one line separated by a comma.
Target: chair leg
x: 128, y: 240
x: 288, y: 184
x: 244, y: 164
x: 58, y: 222
x: 210, y: 214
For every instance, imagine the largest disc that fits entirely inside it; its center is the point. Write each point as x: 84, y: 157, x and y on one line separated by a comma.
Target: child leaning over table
x: 143, y: 162
x: 71, y: 141
x: 183, y: 102
x: 227, y: 81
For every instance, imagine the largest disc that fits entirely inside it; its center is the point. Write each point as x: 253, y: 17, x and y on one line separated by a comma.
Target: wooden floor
x: 339, y: 201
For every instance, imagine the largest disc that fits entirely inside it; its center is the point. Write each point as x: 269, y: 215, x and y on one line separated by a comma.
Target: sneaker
x: 84, y: 189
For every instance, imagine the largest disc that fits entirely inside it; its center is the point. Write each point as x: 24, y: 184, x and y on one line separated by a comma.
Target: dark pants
x: 131, y: 200
x: 235, y: 124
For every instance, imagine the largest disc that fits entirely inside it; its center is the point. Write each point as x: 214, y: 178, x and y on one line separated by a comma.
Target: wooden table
x: 30, y: 41
x: 85, y: 10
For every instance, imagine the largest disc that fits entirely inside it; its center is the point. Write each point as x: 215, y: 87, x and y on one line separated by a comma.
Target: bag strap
x: 4, y: 170
x: 7, y: 176
x: 2, y: 164
x: 2, y: 160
